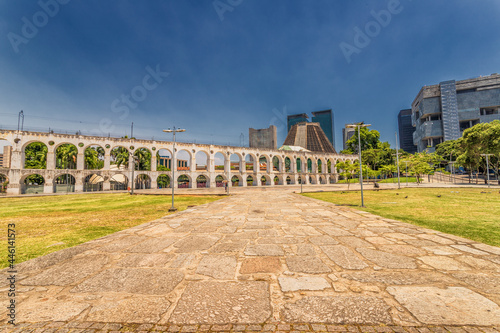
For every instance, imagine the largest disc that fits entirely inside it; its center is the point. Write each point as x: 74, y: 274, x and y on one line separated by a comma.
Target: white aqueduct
x: 279, y: 169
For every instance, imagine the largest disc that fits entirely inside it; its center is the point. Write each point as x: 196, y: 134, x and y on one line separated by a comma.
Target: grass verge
x: 465, y: 212
x: 48, y: 224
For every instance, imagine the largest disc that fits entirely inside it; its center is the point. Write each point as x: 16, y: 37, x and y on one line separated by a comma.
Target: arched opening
x: 332, y: 180
x: 263, y: 163
x: 235, y: 162
x: 320, y: 166
x: 219, y: 181
x: 142, y: 182
x: 309, y: 165
x: 276, y: 164
x: 35, y: 156
x: 265, y: 180
x: 33, y: 184
x: 94, y: 157
x: 4, y: 182
x: 299, y: 165
x: 329, y: 165
x: 142, y: 158
x: 300, y: 180
x: 249, y: 181
x: 183, y: 160
x: 288, y: 164
x: 66, y: 155
x: 249, y: 162
x: 201, y: 181
x: 64, y: 183
x: 163, y: 181
x: 312, y: 180
x: 93, y: 183
x: 118, y: 182
x: 163, y: 160
x: 183, y: 181
x: 219, y: 162
x: 288, y: 180
x: 276, y: 180
x: 236, y: 181
x: 322, y: 180
x: 5, y: 153
x: 201, y: 161
x: 119, y: 158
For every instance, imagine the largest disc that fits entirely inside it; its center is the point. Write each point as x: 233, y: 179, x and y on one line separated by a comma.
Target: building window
x: 468, y: 124
x: 489, y: 110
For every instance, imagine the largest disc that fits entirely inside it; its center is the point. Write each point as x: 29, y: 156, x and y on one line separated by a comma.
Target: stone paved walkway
x: 264, y: 258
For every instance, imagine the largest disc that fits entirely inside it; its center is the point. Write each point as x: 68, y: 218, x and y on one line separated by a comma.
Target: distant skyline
x: 217, y: 68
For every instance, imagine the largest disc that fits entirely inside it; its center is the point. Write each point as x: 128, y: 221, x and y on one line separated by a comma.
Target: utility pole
x: 397, y: 160
x: 358, y: 126
x: 174, y: 165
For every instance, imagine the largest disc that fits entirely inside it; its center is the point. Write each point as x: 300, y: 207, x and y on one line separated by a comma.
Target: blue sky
x: 217, y: 68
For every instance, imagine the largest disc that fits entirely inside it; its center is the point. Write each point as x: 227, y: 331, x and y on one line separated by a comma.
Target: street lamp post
x: 172, y: 181
x: 358, y: 126
x: 397, y: 160
x: 487, y: 167
x: 132, y: 185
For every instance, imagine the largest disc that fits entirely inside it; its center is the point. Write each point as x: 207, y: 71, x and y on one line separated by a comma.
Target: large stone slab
x: 444, y: 263
x: 404, y: 250
x: 354, y: 241
x: 323, y: 240
x: 398, y: 278
x: 387, y: 260
x: 235, y: 246
x: 213, y: 302
x: 307, y: 264
x: 132, y: 280
x: 488, y: 283
x: 334, y: 231
x: 338, y: 310
x: 217, y: 266
x: 450, y: 306
x: 488, y: 248
x: 51, y: 259
x: 130, y: 310
x: 288, y: 283
x: 343, y: 257
x: 49, y: 310
x: 122, y: 243
x: 261, y: 265
x: 152, y: 245
x: 145, y: 260
x: 195, y: 243
x: 69, y: 272
x: 264, y: 250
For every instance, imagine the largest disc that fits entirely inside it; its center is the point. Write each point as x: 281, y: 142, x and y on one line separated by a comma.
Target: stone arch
x: 250, y: 181
x: 320, y: 166
x: 301, y: 179
x: 278, y: 180
x: 93, y: 183
x: 93, y: 155
x: 265, y: 180
x: 143, y: 158
x: 288, y: 164
x: 163, y: 181
x: 300, y: 165
x: 312, y: 179
x: 330, y: 165
x: 322, y: 179
x: 202, y: 181
x: 219, y: 162
x: 119, y: 157
x: 219, y: 181
x: 183, y: 159
x: 142, y: 181
x: 201, y: 158
x: 35, y: 155
x: 309, y: 165
x: 277, y: 164
x: 4, y: 182
x: 118, y: 182
x: 250, y: 161
x: 164, y: 160
x: 264, y: 164
x: 65, y: 155
x: 235, y: 161
x: 184, y: 181
x: 64, y: 183
x: 32, y: 183
x: 289, y: 180
x: 236, y: 180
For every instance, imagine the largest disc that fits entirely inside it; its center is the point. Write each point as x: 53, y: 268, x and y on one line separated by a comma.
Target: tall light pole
x: 487, y: 167
x: 174, y: 166
x: 397, y: 159
x: 358, y: 126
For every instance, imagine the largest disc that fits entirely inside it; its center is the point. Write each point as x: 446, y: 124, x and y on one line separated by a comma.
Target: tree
x: 370, y: 139
x: 421, y: 164
x: 66, y: 156
x: 347, y: 170
x: 94, y: 158
x: 143, y: 159
x: 387, y: 170
x: 35, y: 156
x: 120, y: 156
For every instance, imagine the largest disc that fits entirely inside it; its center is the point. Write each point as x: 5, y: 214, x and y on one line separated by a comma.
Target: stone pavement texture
x: 255, y: 261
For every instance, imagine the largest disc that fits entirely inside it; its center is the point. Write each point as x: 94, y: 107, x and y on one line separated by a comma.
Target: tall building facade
x: 405, y: 129
x: 5, y: 157
x: 443, y: 111
x: 326, y: 121
x: 309, y: 136
x: 263, y: 138
x: 295, y: 119
x: 347, y: 133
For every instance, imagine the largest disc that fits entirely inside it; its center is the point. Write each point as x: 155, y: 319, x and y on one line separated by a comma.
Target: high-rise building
x: 326, y: 121
x: 295, y: 119
x: 5, y: 157
x: 406, y: 131
x: 443, y: 111
x: 309, y: 136
x: 347, y: 133
x: 263, y: 138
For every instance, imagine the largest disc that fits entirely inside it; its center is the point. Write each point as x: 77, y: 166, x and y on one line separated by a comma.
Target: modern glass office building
x: 406, y: 132
x: 325, y: 119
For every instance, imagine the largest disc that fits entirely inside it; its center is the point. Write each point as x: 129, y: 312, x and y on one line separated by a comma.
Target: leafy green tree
x: 370, y: 139
x: 387, y: 170
x: 119, y: 156
x: 347, y: 170
x: 421, y: 164
x: 66, y: 156
x: 35, y: 156
x: 143, y: 159
x: 94, y: 158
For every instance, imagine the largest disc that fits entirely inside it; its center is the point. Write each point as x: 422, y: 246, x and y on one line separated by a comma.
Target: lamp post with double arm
x: 173, y: 165
x: 358, y: 126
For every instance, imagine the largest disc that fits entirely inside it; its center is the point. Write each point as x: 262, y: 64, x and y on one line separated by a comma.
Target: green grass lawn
x: 388, y: 180
x: 465, y: 212
x: 47, y: 224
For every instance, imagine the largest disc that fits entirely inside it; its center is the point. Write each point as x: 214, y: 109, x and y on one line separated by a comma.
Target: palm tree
x: 94, y: 157
x: 35, y: 156
x: 119, y: 156
x: 66, y: 156
x: 143, y: 159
